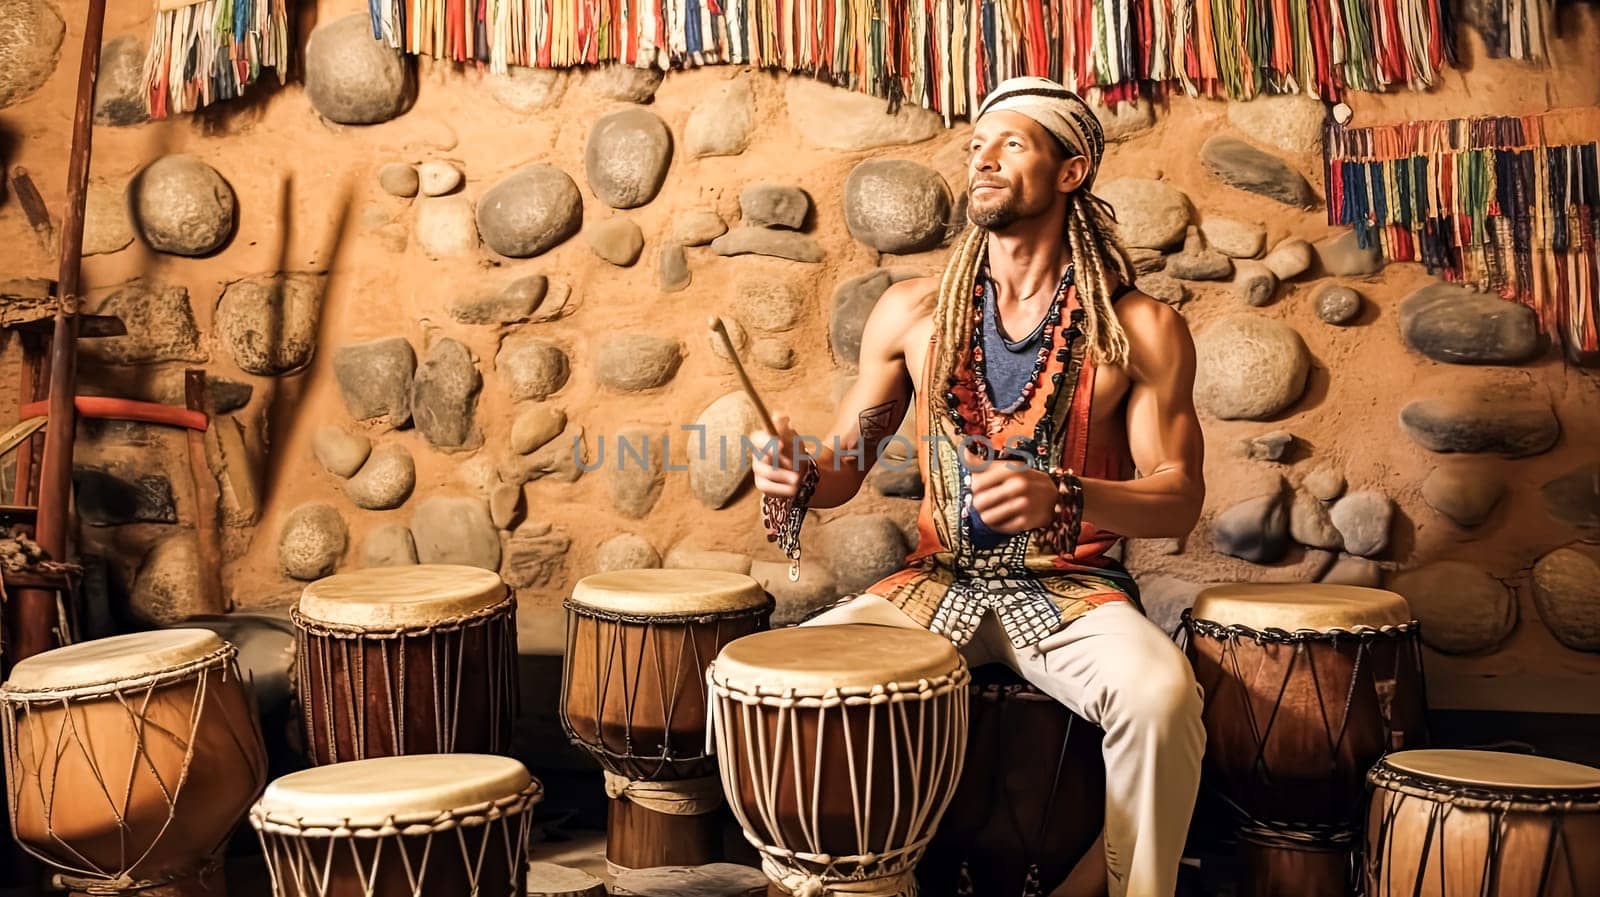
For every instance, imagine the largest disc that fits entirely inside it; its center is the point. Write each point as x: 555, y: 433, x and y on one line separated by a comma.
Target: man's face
x: 1016, y: 170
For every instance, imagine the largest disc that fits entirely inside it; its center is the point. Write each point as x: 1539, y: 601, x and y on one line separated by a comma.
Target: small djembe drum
x: 1482, y: 824
x: 1306, y: 686
x: 406, y: 660
x: 633, y: 695
x: 1031, y: 800
x: 840, y: 748
x: 131, y: 759
x: 425, y: 825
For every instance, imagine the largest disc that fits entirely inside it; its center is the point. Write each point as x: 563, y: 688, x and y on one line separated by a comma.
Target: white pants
x: 1119, y: 671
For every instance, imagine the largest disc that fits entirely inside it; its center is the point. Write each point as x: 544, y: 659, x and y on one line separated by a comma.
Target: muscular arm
x: 1163, y: 431
x: 873, y: 408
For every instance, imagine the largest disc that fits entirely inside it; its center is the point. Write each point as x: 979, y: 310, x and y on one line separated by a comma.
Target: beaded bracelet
x: 782, y: 517
x: 1063, y: 528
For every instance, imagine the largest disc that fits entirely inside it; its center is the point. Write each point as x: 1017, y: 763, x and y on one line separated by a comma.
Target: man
x: 1033, y: 344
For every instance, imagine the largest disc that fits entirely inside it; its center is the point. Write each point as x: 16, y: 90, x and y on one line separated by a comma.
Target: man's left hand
x: 1009, y: 496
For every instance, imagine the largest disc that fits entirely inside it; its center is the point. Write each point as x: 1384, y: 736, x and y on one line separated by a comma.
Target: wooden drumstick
x: 749, y: 389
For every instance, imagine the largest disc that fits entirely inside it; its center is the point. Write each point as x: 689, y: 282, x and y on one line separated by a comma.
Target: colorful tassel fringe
x: 1507, y: 205
x: 212, y: 50
x: 946, y: 55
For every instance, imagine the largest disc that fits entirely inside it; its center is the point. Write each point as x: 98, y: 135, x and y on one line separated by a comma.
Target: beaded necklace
x: 989, y: 420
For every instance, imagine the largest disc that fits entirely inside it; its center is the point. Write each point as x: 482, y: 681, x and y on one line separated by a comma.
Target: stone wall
x: 414, y: 285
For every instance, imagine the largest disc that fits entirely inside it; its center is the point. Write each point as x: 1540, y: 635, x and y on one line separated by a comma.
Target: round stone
x: 1241, y: 165
x: 1326, y: 483
x: 627, y: 552
x: 722, y: 124
x: 166, y: 589
x: 627, y: 156
x: 861, y: 549
x: 385, y: 481
x: 717, y: 473
x: 351, y: 78
x: 536, y: 426
x: 1254, y: 283
x: 698, y: 227
x: 895, y: 205
x: 119, y: 88
x: 529, y: 211
x: 624, y: 83
x: 1250, y: 367
x: 107, y: 222
x: 446, y: 226
x: 436, y: 177
x: 1465, y: 494
x: 1461, y: 607
x: 339, y: 450
x: 269, y: 324
x: 1256, y: 529
x: 399, y: 179
x: 1290, y: 258
x: 389, y: 545
x: 767, y: 303
x: 456, y: 530
x: 30, y: 43
x: 1566, y: 590
x: 183, y: 206
x: 1337, y: 304
x: 618, y: 241
x: 530, y: 368
x: 629, y: 362
x: 444, y: 395
x: 524, y: 89
x: 1364, y: 518
x: 1291, y: 122
x: 1235, y: 238
x: 1453, y: 324
x: 1150, y: 214
x: 311, y: 542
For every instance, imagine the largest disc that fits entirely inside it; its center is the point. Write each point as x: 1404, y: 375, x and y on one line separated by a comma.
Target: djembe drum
x: 1482, y: 824
x: 406, y: 660
x: 633, y: 695
x: 1031, y: 800
x: 840, y: 748
x: 1306, y: 686
x: 131, y: 759
x: 424, y: 825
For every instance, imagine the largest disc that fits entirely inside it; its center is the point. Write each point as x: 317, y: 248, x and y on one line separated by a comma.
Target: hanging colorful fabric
x: 210, y: 50
x: 1504, y: 204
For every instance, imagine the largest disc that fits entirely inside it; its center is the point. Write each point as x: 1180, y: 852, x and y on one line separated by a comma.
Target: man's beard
x: 995, y: 217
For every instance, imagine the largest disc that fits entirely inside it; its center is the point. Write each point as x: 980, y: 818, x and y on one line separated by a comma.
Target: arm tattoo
x: 877, y: 424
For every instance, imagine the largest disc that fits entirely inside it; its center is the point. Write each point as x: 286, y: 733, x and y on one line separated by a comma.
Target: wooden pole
x: 36, y: 612
x: 205, y: 500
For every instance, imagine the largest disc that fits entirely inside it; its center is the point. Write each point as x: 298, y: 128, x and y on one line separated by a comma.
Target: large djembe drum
x: 1031, y: 800
x: 131, y: 759
x: 424, y: 825
x: 840, y: 748
x: 1482, y: 824
x: 406, y: 660
x: 633, y: 695
x: 1306, y: 686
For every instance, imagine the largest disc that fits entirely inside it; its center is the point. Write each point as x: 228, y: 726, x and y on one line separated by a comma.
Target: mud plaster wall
x: 309, y: 201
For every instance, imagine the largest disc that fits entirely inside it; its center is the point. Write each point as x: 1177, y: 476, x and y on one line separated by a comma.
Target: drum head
x: 370, y: 793
x: 1495, y: 769
x: 389, y: 597
x: 1319, y: 607
x: 815, y: 659
x: 669, y: 592
x: 109, y: 660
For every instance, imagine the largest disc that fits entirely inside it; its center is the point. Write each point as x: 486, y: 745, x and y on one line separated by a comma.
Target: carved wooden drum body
x: 423, y: 825
x: 1031, y: 800
x: 1482, y: 824
x: 841, y: 747
x: 638, y: 644
x: 407, y: 660
x: 1306, y: 686
x: 131, y: 759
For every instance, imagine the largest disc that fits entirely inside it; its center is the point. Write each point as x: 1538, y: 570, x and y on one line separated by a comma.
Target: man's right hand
x: 776, y: 470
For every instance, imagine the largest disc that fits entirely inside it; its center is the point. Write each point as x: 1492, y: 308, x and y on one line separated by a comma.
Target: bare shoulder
x: 1158, y: 335
x: 908, y: 300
